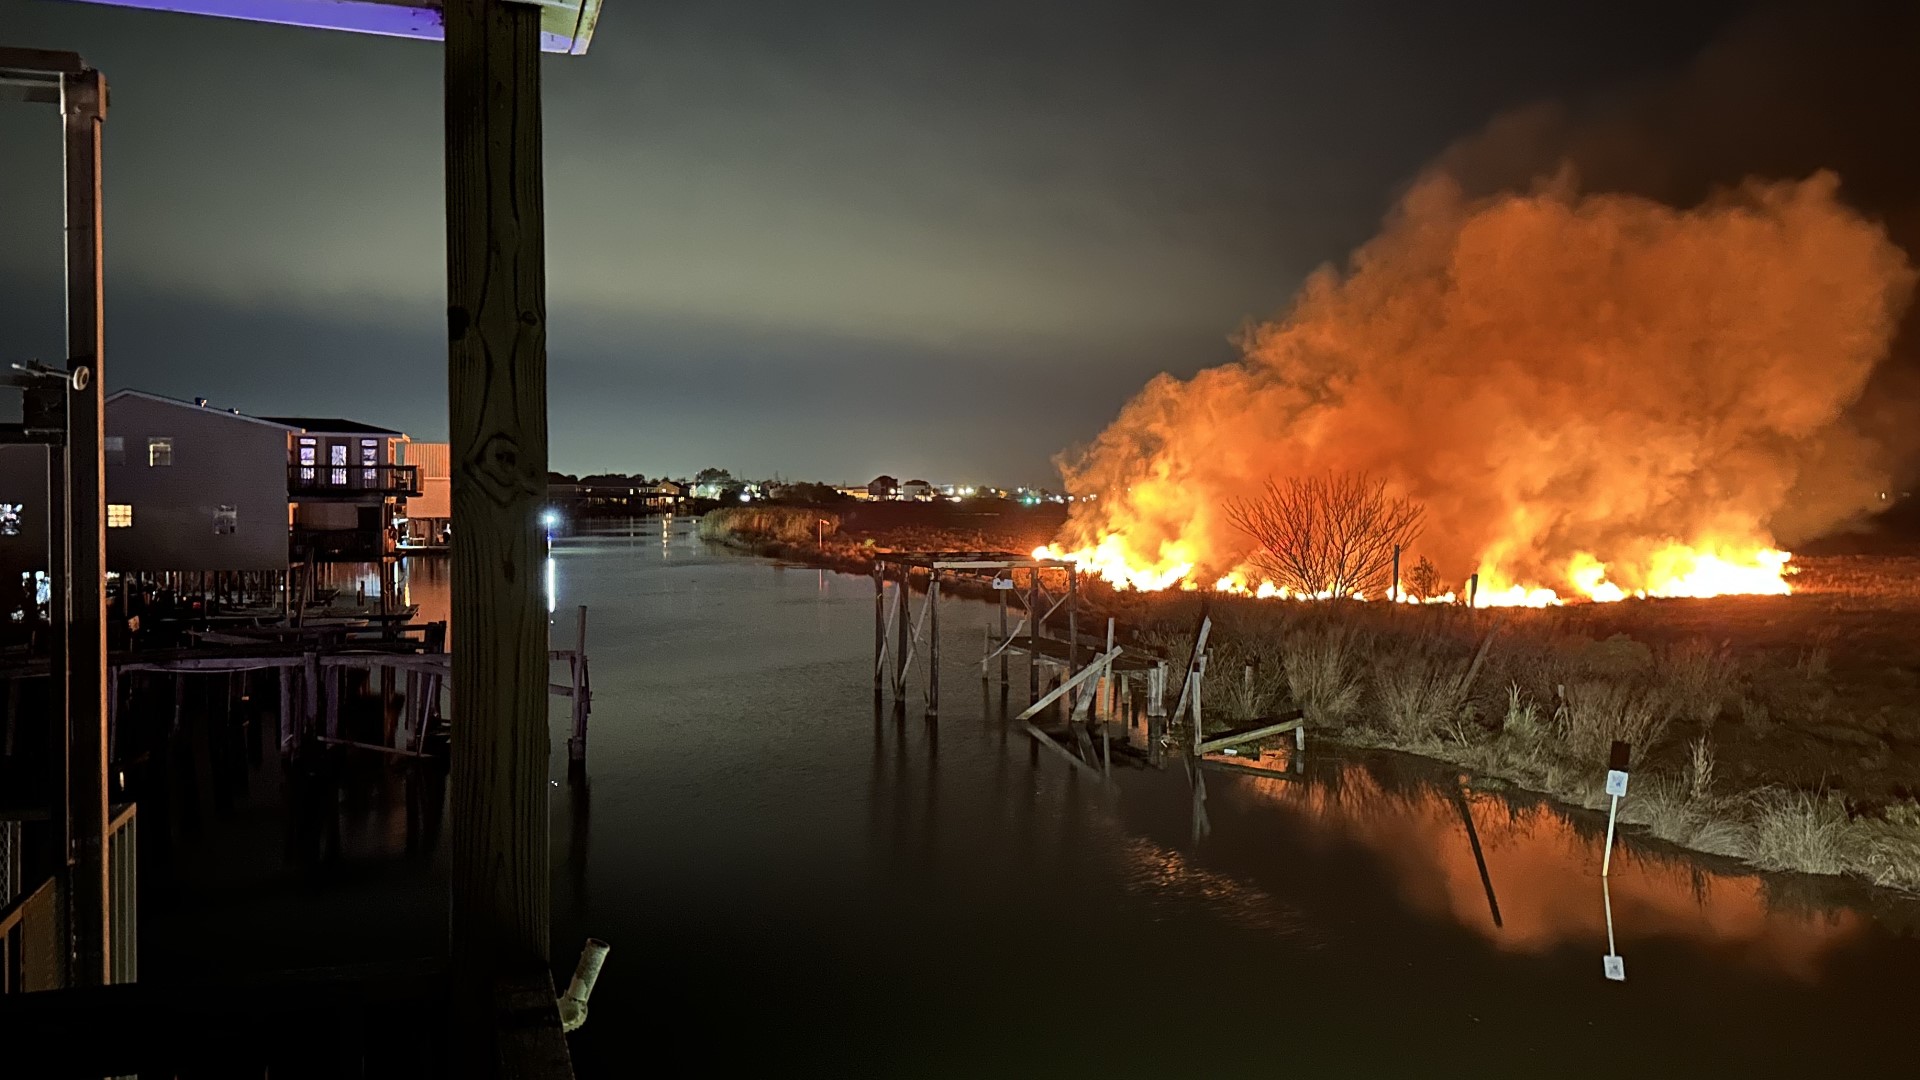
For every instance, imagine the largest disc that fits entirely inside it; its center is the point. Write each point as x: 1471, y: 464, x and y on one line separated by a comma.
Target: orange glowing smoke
x: 1594, y: 396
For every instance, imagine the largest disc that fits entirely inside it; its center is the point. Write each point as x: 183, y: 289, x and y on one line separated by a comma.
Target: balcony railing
x: 352, y: 481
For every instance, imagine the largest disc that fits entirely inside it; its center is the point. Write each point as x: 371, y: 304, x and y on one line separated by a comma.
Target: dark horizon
x: 830, y: 245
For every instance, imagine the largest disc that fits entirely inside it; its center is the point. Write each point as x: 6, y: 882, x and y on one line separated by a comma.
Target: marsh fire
x: 1585, y: 396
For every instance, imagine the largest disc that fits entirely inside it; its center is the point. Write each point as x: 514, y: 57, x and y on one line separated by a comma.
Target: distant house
x: 883, y: 487
x: 856, y: 491
x: 917, y: 490
x: 194, y: 488
x: 346, y: 481
x: 428, y: 513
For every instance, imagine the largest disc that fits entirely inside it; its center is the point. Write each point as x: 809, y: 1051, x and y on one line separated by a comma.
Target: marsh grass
x: 1322, y: 665
x: 785, y: 524
x: 1547, y: 706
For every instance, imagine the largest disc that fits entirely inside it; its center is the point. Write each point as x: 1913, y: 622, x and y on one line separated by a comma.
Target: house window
x: 337, y: 454
x: 337, y: 477
x: 226, y: 520
x: 116, y: 450
x: 160, y: 451
x: 309, y: 457
x: 370, y: 456
x: 10, y: 518
x: 119, y: 515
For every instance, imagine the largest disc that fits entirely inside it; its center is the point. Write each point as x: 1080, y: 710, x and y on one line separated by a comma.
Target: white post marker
x: 1616, y: 787
x: 1612, y: 964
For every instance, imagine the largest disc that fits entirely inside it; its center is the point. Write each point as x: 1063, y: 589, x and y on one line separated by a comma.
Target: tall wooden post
x: 1073, y: 629
x: 497, y: 422
x: 1001, y: 595
x: 879, y: 627
x: 84, y: 104
x: 903, y: 610
x: 1033, y: 635
x: 933, y: 643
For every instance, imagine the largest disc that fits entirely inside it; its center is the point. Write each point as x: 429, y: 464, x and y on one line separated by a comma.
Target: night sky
x: 823, y: 239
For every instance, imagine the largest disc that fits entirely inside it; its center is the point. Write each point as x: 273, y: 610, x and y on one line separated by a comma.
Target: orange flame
x: 1595, y: 397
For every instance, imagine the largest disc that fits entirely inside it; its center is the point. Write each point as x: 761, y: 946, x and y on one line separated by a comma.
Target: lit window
x: 226, y: 520
x: 119, y: 515
x: 10, y: 518
x: 337, y: 454
x: 309, y: 457
x: 160, y: 451
x: 116, y: 450
x: 337, y: 477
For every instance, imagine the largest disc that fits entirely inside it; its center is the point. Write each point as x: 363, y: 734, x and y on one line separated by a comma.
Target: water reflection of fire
x: 1545, y: 876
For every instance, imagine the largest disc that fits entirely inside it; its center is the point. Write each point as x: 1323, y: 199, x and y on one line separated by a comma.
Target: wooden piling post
x: 1473, y: 591
x: 577, y: 745
x: 1005, y: 643
x: 1073, y: 622
x: 286, y: 706
x: 1033, y: 634
x: 310, y: 680
x: 497, y: 424
x: 879, y: 626
x: 1393, y: 587
x: 903, y: 604
x: 933, y: 643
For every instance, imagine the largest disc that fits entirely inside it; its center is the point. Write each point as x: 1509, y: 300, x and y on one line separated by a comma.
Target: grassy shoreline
x: 1776, y: 731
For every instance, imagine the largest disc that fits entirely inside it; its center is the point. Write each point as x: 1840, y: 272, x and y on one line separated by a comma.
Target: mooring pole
x: 84, y: 103
x: 497, y: 423
x: 903, y: 604
x: 1001, y: 595
x: 1033, y: 635
x: 1393, y: 587
x: 1073, y: 628
x: 879, y: 626
x: 577, y: 745
x: 933, y: 643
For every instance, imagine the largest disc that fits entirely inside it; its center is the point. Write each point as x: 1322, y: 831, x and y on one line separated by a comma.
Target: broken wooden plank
x: 1235, y: 738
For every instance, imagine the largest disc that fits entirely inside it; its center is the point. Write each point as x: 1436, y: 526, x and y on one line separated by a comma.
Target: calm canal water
x: 795, y: 886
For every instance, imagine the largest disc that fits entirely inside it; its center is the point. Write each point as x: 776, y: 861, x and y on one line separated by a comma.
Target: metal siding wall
x: 218, y: 459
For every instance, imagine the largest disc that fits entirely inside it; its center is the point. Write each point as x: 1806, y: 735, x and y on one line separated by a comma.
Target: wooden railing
x: 30, y: 936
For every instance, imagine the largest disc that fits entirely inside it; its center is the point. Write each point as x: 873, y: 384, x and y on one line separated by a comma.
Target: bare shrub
x: 1332, y: 534
x: 1423, y: 581
x: 1698, y: 677
x: 1814, y: 661
x: 1321, y: 664
x: 1799, y: 830
x: 1595, y: 712
x: 1700, y: 762
x: 1523, y: 714
x: 1238, y: 685
x: 1421, y: 690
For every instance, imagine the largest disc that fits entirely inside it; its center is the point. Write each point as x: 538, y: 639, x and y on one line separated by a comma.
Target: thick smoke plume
x: 1559, y: 376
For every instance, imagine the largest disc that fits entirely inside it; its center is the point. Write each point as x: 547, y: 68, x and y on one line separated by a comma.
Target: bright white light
x: 744, y: 497
x: 550, y: 518
x: 550, y: 588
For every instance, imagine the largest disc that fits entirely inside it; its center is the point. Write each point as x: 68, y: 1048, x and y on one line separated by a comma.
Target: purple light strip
x: 406, y: 20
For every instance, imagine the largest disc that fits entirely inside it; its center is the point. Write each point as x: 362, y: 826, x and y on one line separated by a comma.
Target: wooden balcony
x: 352, y: 482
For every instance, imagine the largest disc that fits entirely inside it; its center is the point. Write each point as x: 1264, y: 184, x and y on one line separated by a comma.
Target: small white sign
x: 1002, y: 583
x: 1616, y: 783
x: 1616, y: 968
